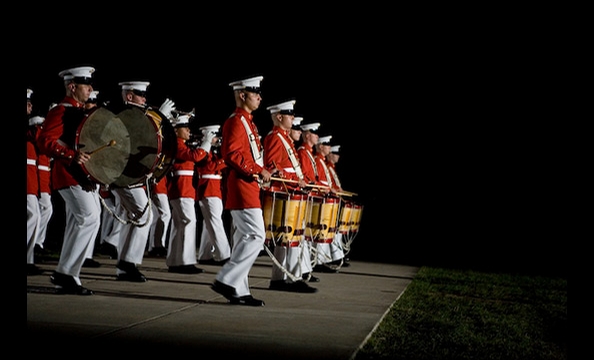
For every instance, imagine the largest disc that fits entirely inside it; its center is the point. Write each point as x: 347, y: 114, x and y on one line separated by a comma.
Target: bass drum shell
x: 138, y: 152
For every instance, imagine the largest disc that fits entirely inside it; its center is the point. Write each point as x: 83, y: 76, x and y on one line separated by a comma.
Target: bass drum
x: 128, y: 148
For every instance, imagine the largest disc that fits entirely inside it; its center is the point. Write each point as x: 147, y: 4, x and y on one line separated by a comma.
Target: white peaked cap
x: 182, y: 120
x: 29, y: 93
x: 335, y: 149
x: 310, y: 127
x: 81, y: 73
x: 251, y: 83
x: 285, y: 107
x: 210, y: 128
x: 134, y: 85
x: 297, y: 122
x: 324, y: 140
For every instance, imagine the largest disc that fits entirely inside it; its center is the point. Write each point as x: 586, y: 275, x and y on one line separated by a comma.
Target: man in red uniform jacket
x: 287, y: 232
x: 242, y: 151
x: 181, y: 254
x: 57, y: 139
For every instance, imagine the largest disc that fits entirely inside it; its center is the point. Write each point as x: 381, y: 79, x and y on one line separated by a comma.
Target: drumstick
x: 111, y: 143
x: 346, y: 193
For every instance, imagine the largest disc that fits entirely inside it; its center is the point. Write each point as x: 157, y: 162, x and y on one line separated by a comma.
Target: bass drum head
x: 100, y: 128
x: 145, y: 147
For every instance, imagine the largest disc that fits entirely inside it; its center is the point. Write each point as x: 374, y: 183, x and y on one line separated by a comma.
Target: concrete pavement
x: 176, y: 312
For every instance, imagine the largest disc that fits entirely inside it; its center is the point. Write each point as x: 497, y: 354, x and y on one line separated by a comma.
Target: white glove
x: 36, y: 120
x: 167, y: 107
x: 207, y: 140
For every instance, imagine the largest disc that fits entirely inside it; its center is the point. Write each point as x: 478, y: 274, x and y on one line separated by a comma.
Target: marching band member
x: 181, y: 254
x: 214, y: 248
x: 33, y: 206
x: 242, y: 151
x: 80, y: 194
x: 326, y: 249
x: 133, y: 199
x: 336, y: 247
x: 310, y: 139
x: 306, y: 267
x: 280, y: 152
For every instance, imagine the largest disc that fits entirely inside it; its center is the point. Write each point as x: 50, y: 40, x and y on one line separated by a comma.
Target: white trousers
x: 134, y: 235
x: 83, y: 219
x: 33, y: 220
x: 330, y: 252
x: 290, y: 259
x: 161, y: 221
x: 214, y: 243
x: 45, y: 214
x: 182, y: 235
x: 248, y: 234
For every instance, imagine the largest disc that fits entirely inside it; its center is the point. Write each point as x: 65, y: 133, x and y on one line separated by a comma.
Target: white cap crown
x: 134, y: 85
x: 251, y: 84
x: 284, y: 107
x: 81, y: 74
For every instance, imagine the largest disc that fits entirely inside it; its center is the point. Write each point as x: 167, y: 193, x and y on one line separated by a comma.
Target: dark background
x: 434, y: 122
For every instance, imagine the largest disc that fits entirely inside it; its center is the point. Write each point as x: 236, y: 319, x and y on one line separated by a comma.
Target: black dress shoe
x: 185, y: 269
x: 109, y: 250
x: 65, y: 284
x: 297, y: 286
x: 131, y: 273
x: 227, y: 291
x: 324, y: 269
x: 248, y: 300
x: 91, y: 263
x: 76, y: 290
x: 132, y: 277
x: 32, y: 269
x: 63, y: 280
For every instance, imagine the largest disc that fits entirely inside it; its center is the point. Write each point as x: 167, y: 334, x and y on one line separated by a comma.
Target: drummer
x: 328, y: 254
x: 80, y: 194
x: 133, y: 199
x: 306, y: 267
x: 336, y: 247
x: 280, y: 153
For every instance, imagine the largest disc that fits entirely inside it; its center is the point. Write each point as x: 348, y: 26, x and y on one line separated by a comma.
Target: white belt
x: 324, y: 183
x: 289, y: 170
x: 211, y: 176
x: 31, y: 162
x: 43, y: 167
x: 184, y: 173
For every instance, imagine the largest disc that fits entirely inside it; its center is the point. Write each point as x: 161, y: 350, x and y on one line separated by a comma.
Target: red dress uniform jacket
x: 308, y: 165
x: 275, y: 152
x: 161, y: 186
x: 44, y: 168
x: 210, y: 174
x: 242, y: 190
x: 32, y: 176
x: 181, y: 183
x: 322, y: 178
x: 335, y: 180
x: 57, y: 139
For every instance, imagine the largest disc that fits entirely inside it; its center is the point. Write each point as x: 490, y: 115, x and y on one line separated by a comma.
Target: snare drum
x: 143, y: 146
x: 284, y: 217
x: 322, y: 215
